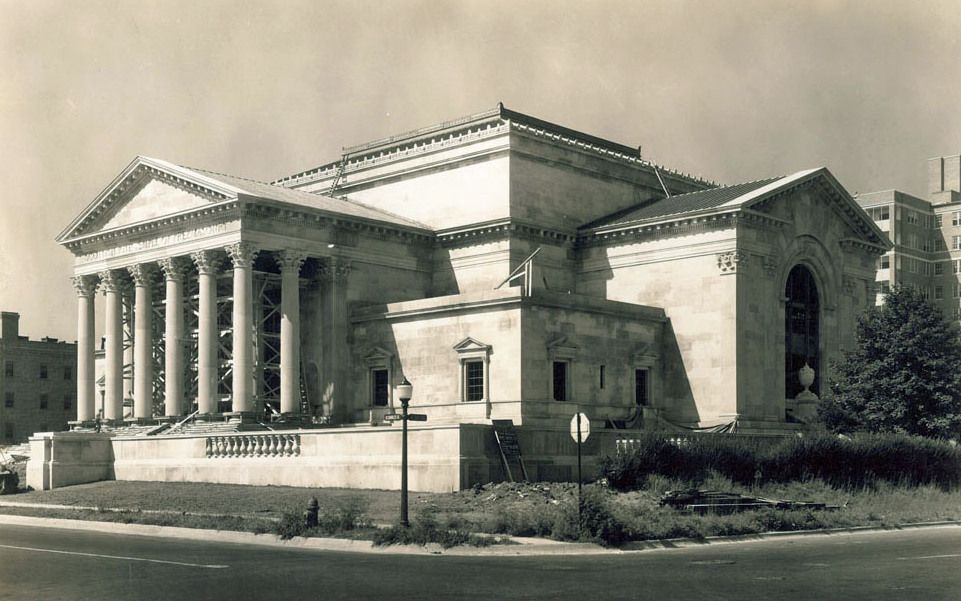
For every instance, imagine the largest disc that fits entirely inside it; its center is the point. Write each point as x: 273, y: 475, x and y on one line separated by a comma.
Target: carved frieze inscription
x: 158, y: 242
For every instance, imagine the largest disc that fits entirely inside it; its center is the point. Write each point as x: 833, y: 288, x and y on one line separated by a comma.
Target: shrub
x: 864, y: 460
x: 596, y: 521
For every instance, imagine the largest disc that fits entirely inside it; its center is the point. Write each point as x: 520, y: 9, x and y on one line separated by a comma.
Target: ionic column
x: 208, y: 264
x: 142, y: 275
x: 112, y: 285
x: 243, y: 254
x: 174, y: 270
x: 85, y: 286
x: 290, y: 263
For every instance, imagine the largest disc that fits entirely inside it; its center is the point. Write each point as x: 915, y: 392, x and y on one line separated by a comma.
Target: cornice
x: 501, y: 229
x: 131, y: 180
x: 470, y: 129
x: 653, y: 230
x: 365, y: 159
x: 205, y: 214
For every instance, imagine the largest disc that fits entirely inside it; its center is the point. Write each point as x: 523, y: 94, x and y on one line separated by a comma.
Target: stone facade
x: 509, y: 267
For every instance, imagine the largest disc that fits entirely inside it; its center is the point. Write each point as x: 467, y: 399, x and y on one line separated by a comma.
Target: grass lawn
x: 538, y: 509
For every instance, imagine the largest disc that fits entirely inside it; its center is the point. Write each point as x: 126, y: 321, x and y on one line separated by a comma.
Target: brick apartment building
x: 37, y: 382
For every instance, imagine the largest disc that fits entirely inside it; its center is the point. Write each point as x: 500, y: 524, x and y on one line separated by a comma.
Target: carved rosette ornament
x: 848, y: 284
x: 769, y: 264
x: 142, y: 274
x: 174, y: 268
x: 85, y: 285
x: 730, y: 261
x: 242, y: 254
x: 290, y: 260
x: 208, y: 262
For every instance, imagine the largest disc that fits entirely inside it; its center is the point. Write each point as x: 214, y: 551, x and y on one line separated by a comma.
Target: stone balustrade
x: 253, y: 445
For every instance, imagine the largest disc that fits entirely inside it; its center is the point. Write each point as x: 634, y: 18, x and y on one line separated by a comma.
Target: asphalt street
x: 49, y: 563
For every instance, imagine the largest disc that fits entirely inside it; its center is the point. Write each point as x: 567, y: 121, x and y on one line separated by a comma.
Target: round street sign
x: 585, y: 427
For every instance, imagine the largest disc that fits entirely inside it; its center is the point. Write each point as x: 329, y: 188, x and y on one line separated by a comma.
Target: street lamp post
x: 404, y: 391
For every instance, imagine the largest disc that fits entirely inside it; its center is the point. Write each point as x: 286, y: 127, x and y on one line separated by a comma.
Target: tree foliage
x: 904, y: 374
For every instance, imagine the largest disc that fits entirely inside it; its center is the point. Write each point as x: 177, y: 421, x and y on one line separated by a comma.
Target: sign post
x: 580, y: 430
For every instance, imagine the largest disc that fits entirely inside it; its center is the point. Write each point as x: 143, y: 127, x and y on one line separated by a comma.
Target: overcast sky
x: 731, y: 90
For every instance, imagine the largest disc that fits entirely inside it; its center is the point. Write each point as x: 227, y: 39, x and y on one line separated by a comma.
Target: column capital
x: 208, y: 262
x: 337, y: 270
x: 290, y: 260
x: 242, y: 254
x: 85, y: 285
x: 142, y: 274
x: 113, y: 280
x: 174, y: 268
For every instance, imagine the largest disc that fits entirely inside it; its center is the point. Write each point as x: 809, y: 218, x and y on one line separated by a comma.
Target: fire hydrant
x: 310, y: 516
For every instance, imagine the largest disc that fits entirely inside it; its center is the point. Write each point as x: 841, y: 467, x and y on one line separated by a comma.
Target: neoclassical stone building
x: 653, y: 299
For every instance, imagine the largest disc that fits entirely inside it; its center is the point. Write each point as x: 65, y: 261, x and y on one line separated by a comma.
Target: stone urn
x: 806, y: 400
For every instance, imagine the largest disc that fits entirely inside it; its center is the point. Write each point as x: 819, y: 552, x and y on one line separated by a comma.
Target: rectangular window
x: 560, y: 380
x: 957, y: 290
x: 8, y: 399
x: 938, y: 221
x: 938, y: 292
x: 43, y: 401
x: 67, y: 373
x: 8, y: 431
x: 473, y: 380
x: 884, y: 262
x: 956, y: 242
x: 885, y: 287
x: 912, y: 217
x: 379, y: 387
x: 67, y: 402
x: 640, y: 387
x: 956, y: 218
x: 43, y: 372
x: 939, y: 245
x: 939, y: 268
x: 8, y: 369
x: 600, y: 377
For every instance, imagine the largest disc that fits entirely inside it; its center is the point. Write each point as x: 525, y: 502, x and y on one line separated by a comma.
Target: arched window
x: 801, y: 329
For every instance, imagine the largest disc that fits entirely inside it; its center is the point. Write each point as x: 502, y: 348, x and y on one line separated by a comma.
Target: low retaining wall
x: 440, y: 458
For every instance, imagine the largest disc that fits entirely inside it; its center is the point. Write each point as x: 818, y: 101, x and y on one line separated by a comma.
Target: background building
x: 926, y: 236
x: 37, y: 383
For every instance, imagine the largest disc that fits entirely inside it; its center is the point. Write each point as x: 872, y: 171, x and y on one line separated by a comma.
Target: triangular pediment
x: 147, y: 189
x: 470, y: 344
x: 827, y: 197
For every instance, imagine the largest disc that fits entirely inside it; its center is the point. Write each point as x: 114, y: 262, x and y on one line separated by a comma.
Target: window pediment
x: 472, y: 347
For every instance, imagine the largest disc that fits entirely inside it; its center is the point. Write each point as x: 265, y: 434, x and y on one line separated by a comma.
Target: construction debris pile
x: 712, y: 501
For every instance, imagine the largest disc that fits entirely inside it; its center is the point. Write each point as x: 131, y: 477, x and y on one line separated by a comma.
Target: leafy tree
x: 903, y: 376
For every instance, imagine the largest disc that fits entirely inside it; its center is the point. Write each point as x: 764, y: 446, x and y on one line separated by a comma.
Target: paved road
x: 49, y: 564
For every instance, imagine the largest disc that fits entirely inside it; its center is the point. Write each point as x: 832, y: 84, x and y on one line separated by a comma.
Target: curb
x: 525, y: 546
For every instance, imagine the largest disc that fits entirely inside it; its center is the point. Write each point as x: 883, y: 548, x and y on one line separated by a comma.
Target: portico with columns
x: 196, y: 276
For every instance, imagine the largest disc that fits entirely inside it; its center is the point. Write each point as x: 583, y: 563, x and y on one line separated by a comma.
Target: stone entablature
x: 465, y: 131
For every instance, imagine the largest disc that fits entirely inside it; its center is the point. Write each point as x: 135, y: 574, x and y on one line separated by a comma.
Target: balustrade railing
x: 253, y: 445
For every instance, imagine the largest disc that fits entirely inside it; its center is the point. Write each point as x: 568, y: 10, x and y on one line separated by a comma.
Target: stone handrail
x: 253, y: 445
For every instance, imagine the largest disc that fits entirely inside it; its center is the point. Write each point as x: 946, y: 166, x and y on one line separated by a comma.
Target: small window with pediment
x: 474, y: 359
